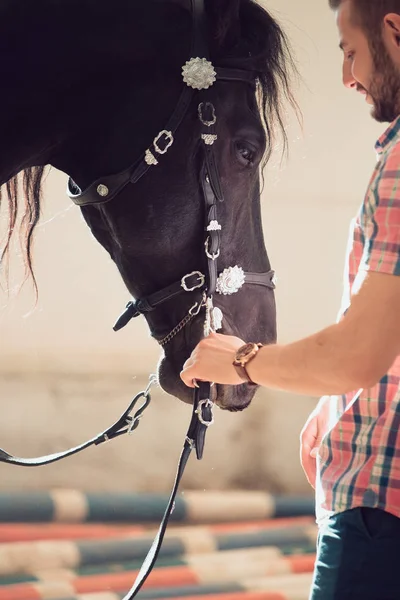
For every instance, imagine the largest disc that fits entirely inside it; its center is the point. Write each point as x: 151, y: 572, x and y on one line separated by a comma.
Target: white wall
x: 307, y: 205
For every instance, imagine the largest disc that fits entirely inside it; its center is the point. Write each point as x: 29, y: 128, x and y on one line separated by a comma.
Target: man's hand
x: 212, y: 361
x: 311, y: 437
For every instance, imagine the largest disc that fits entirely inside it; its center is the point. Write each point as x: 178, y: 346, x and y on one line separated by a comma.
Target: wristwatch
x: 244, y: 355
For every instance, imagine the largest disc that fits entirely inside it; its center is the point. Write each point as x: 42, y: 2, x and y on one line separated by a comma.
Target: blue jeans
x: 358, y: 557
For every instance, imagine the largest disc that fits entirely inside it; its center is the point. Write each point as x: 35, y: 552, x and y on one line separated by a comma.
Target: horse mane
x: 30, y: 184
x: 246, y: 37
x: 265, y: 49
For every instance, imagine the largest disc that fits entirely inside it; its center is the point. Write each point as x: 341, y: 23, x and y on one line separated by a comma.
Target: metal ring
x: 195, y: 310
x: 139, y: 413
x: 152, y: 381
x: 214, y: 116
x: 201, y: 278
x: 207, y: 402
x: 169, y: 136
x: 208, y: 254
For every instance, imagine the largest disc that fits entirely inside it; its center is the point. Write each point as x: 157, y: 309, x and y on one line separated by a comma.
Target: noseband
x: 199, y: 76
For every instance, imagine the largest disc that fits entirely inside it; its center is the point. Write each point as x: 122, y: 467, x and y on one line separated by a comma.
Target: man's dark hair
x: 369, y: 14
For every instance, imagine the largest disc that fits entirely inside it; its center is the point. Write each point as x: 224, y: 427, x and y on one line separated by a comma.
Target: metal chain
x: 176, y: 330
x: 193, y: 312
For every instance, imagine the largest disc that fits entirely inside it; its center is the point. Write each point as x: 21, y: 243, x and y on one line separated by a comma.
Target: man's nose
x: 348, y: 77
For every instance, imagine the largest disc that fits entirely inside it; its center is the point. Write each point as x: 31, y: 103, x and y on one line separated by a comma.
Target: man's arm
x: 355, y: 353
x: 352, y: 354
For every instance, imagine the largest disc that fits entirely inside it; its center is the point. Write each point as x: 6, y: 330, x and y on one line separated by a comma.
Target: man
x: 351, y: 443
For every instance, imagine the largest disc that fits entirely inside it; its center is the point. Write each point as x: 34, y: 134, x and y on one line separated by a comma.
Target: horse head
x: 150, y: 195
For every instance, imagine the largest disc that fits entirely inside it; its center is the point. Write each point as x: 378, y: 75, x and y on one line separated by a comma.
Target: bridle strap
x: 236, y: 75
x: 148, y: 304
x: 202, y: 418
x: 127, y: 423
x: 114, y: 184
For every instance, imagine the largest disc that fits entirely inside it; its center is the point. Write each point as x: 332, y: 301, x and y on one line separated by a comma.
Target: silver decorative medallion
x: 217, y: 318
x: 274, y: 280
x: 150, y: 158
x: 214, y: 226
x: 208, y: 321
x: 199, y: 73
x: 209, y: 138
x: 103, y: 190
x: 230, y: 281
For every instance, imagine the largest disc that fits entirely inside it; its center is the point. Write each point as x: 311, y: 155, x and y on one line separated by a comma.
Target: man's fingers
x: 189, y: 381
x: 308, y: 462
x: 186, y: 375
x: 316, y: 446
x: 310, y: 469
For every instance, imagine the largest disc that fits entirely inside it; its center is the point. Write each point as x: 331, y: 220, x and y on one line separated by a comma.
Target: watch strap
x: 243, y: 374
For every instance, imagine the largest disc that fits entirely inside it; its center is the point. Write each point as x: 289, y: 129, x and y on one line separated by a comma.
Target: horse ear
x: 226, y: 15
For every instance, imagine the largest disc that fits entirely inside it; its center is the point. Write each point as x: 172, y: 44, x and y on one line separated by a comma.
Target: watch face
x: 246, y: 351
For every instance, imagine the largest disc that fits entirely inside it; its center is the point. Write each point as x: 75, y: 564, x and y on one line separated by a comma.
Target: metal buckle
x: 208, y: 254
x: 170, y: 141
x: 191, y: 443
x: 202, y: 106
x: 200, y: 278
x: 207, y: 403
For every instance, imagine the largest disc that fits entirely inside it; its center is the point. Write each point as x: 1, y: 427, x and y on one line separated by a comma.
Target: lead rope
x: 202, y: 415
x: 202, y: 418
x: 126, y: 424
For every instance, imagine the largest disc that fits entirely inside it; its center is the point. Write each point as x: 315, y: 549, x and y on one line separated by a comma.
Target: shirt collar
x: 389, y: 137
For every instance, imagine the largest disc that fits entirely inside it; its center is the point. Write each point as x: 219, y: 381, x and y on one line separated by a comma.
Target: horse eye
x: 246, y: 154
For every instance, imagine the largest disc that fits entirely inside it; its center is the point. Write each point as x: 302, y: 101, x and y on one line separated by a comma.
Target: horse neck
x: 74, y: 62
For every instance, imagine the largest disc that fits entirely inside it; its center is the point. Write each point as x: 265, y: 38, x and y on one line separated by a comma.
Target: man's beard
x: 385, y: 85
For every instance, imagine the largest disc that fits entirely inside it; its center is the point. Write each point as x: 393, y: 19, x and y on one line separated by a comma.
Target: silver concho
x: 103, y: 190
x: 217, y: 318
x: 199, y: 73
x: 208, y: 322
x: 214, y: 226
x: 150, y: 158
x: 209, y: 139
x: 230, y: 281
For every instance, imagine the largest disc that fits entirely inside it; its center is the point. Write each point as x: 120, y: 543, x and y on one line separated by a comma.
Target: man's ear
x: 391, y: 29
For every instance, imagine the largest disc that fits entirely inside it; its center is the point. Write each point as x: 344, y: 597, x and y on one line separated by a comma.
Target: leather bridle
x: 199, y: 78
x: 201, y: 73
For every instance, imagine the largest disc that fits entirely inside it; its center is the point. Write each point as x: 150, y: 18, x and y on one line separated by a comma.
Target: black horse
x: 86, y: 86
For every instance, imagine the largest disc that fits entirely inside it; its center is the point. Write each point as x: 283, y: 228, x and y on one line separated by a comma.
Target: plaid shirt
x: 359, y: 459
